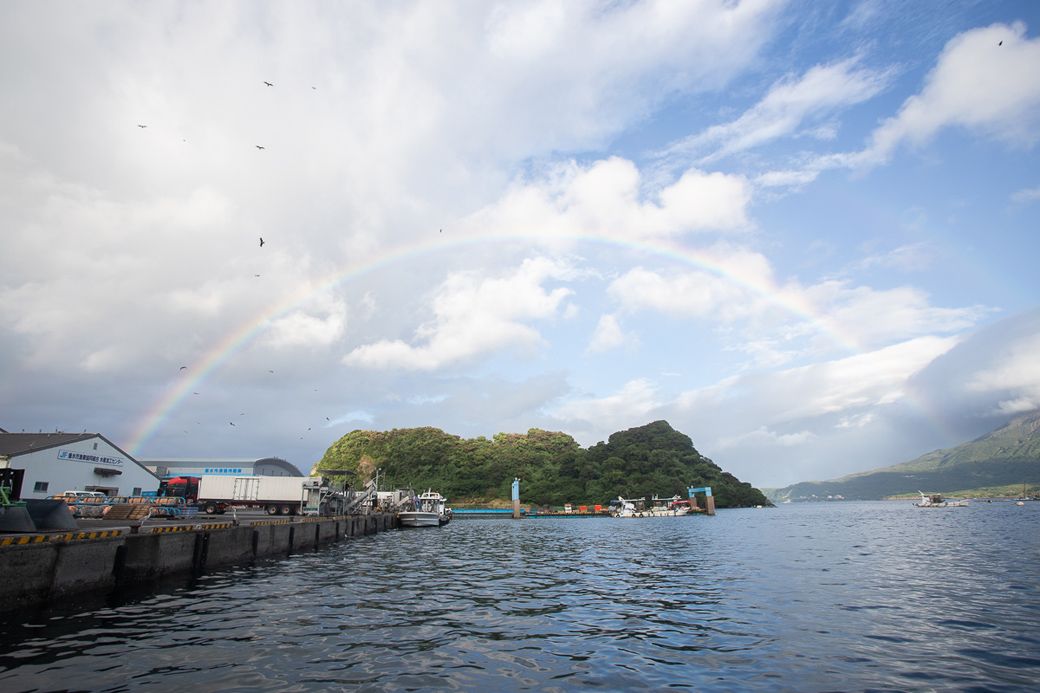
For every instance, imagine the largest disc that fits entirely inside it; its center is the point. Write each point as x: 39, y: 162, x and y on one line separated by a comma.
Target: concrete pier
x: 38, y: 568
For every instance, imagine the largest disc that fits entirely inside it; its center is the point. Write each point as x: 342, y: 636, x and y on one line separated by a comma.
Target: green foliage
x: 650, y: 460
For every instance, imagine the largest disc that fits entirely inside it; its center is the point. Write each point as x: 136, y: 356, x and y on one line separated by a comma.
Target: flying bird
x: 183, y: 368
x: 194, y: 393
x: 313, y: 87
x: 141, y: 126
x: 231, y: 422
x: 268, y: 83
x: 270, y: 371
x: 260, y: 148
x: 261, y: 245
x: 1001, y: 43
x: 256, y: 275
x: 326, y: 418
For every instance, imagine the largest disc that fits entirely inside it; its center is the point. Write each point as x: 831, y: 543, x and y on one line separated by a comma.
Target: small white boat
x: 936, y: 500
x: 667, y: 507
x: 428, y: 510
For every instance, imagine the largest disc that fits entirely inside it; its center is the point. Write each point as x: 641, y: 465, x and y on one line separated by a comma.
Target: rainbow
x: 234, y: 341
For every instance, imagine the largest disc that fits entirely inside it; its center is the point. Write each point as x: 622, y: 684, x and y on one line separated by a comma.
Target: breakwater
x: 38, y: 568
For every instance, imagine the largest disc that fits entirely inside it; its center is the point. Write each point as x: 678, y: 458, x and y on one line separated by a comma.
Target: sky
x: 805, y: 234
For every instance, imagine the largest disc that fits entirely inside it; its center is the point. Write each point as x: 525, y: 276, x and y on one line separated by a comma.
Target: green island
x: 554, y: 469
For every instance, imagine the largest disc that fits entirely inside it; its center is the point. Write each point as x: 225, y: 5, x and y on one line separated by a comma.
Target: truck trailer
x: 278, y: 495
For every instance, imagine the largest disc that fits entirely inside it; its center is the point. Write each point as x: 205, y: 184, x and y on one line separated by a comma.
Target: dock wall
x: 39, y: 568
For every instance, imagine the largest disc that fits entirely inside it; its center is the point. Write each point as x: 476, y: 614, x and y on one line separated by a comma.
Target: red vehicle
x: 186, y: 487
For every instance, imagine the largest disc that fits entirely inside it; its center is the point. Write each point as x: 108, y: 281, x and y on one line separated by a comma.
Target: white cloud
x: 870, y: 379
x: 305, y: 329
x: 735, y: 289
x: 856, y: 420
x: 608, y: 198
x: 788, y: 178
x: 852, y: 312
x: 845, y: 386
x: 583, y: 67
x: 1016, y: 370
x: 978, y: 84
x: 681, y: 294
x: 1026, y: 195
x: 789, y: 103
x: 475, y: 314
x: 748, y: 297
x: 633, y: 402
x: 763, y: 437
x: 1019, y: 405
x: 911, y: 257
x: 607, y: 335
x: 356, y: 415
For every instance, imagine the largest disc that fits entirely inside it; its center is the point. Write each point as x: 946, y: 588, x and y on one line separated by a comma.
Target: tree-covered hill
x: 1006, y: 457
x: 649, y: 460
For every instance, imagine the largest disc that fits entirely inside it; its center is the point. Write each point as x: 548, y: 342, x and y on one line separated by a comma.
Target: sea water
x: 804, y: 597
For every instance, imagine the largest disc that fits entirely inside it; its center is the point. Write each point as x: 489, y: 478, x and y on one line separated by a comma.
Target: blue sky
x: 803, y: 233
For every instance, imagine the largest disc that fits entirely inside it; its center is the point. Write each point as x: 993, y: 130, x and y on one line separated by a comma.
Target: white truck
x: 278, y: 495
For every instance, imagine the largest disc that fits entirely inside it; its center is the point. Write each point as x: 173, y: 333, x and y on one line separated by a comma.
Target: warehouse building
x: 168, y: 467
x: 40, y: 465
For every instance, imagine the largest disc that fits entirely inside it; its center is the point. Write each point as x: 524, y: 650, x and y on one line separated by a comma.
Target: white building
x: 39, y: 465
x: 168, y: 467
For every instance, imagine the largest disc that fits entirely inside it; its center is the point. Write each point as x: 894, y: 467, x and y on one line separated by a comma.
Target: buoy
x: 1020, y: 503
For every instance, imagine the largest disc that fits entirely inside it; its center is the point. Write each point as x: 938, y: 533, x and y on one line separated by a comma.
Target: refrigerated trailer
x: 278, y: 495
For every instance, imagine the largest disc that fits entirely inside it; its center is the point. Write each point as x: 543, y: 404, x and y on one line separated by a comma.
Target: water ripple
x: 864, y: 596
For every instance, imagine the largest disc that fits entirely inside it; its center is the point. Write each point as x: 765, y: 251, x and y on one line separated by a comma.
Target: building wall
x: 218, y: 467
x: 71, y: 468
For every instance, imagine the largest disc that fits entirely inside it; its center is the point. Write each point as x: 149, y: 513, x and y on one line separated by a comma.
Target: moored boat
x: 428, y: 510
x: 936, y: 500
x: 657, y: 507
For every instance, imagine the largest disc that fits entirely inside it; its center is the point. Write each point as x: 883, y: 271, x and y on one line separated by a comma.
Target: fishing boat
x: 657, y: 507
x: 936, y: 500
x: 428, y: 510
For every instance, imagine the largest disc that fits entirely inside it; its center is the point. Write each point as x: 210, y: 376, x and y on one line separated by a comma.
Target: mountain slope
x: 1008, y: 456
x: 649, y: 460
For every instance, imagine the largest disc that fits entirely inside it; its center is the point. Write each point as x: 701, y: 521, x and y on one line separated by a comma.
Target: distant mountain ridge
x: 1006, y: 457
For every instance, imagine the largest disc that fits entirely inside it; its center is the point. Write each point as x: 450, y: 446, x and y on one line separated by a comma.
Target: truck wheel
x: 210, y: 508
x: 272, y: 510
x: 286, y: 510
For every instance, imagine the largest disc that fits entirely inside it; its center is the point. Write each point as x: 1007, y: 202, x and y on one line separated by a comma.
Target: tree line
x: 641, y: 462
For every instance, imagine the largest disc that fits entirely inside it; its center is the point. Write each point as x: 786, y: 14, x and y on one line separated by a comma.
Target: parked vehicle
x: 278, y: 495
x: 83, y: 494
x: 186, y: 487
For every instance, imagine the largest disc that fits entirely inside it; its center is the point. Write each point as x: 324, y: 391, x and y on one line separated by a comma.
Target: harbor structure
x: 41, y: 567
x: 709, y: 500
x: 41, y: 465
x: 166, y: 467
